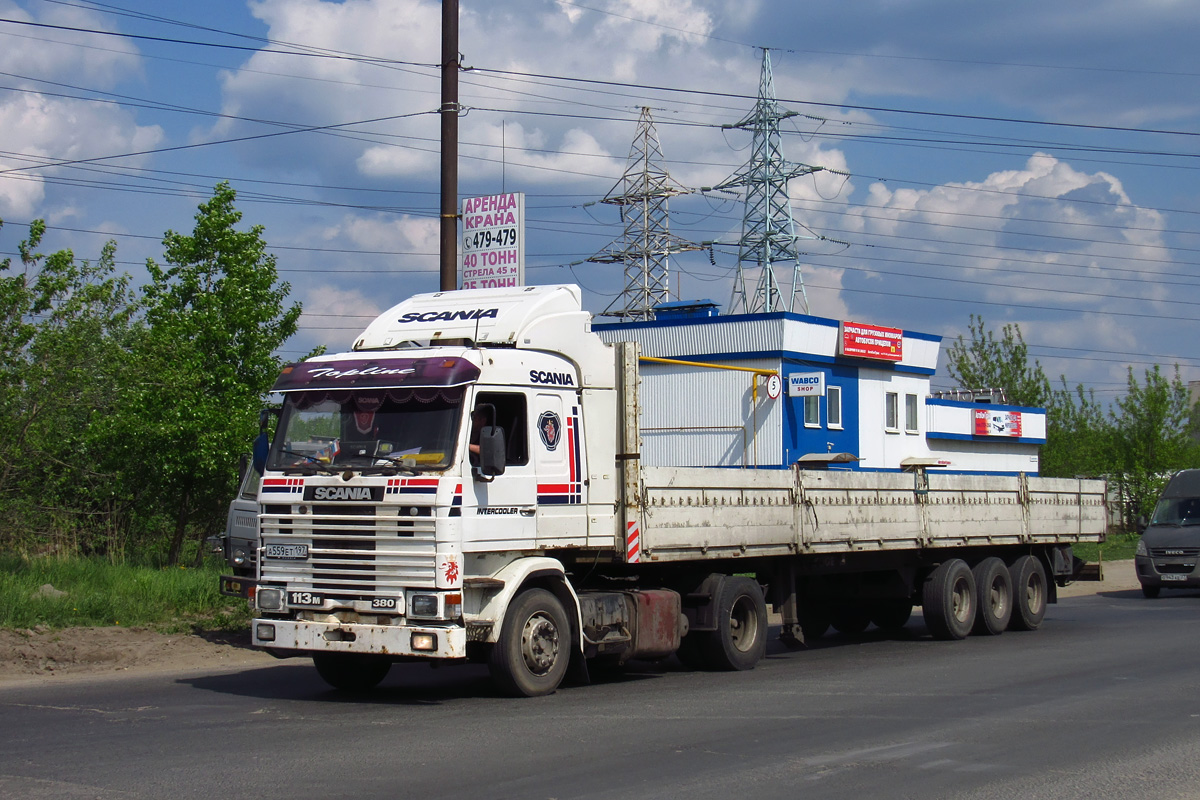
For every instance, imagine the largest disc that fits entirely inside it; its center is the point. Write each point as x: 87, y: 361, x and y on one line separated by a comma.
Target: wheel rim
x: 539, y: 643
x: 1034, y: 593
x: 743, y: 624
x: 961, y: 608
x: 996, y: 597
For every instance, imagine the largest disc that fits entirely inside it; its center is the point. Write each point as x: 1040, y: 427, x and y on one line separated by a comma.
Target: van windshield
x: 412, y: 429
x: 1177, y: 511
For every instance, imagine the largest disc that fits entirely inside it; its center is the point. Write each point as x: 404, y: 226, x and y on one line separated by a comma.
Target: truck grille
x: 355, y: 550
x: 1176, y: 552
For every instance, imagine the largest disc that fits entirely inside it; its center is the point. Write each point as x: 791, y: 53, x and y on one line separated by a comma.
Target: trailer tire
x: 740, y: 640
x: 948, y: 600
x: 1029, y: 593
x: 891, y: 615
x: 351, y: 672
x: 850, y: 618
x: 814, y: 620
x: 531, y: 656
x: 993, y: 597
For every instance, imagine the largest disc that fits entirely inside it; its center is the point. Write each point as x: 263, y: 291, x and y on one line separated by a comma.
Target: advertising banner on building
x: 991, y: 422
x: 876, y: 342
x: 493, y: 241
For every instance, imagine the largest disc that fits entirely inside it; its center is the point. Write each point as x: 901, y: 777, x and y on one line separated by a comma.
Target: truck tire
x: 534, y: 649
x: 891, y: 614
x: 849, y: 617
x: 1028, y: 577
x: 740, y: 639
x: 351, y: 672
x: 993, y: 597
x: 948, y: 600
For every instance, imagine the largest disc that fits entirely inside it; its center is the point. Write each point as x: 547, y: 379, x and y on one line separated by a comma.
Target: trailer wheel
x: 740, y: 639
x: 534, y: 649
x: 1029, y: 593
x: 351, y: 672
x: 948, y: 600
x: 814, y: 620
x: 849, y: 617
x: 891, y: 614
x: 994, y: 597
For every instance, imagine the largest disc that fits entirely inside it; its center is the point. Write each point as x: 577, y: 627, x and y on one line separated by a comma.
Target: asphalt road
x: 1102, y: 702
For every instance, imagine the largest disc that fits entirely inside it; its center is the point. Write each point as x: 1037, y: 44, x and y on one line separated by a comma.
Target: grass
x: 98, y: 593
x: 1117, y: 547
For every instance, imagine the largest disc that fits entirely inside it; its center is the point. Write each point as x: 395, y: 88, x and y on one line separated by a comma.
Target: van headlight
x: 1141, y: 548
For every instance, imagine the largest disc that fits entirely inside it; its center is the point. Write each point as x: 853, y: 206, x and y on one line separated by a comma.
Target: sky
x: 1025, y: 162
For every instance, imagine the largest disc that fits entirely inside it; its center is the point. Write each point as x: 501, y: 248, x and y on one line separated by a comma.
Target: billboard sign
x: 876, y: 342
x: 493, y: 241
x: 992, y: 422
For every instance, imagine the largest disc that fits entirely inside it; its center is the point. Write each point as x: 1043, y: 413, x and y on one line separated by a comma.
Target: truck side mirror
x: 262, y: 446
x: 492, y: 453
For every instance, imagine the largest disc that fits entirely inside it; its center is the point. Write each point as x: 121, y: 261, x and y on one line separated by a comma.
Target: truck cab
x: 1169, y: 548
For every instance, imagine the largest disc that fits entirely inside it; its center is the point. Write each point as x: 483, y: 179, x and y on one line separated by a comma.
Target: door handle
x: 528, y: 512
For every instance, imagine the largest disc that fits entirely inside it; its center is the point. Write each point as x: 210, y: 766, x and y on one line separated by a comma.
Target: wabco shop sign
x: 803, y: 384
x: 493, y: 241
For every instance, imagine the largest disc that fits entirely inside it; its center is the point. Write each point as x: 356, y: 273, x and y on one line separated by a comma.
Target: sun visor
x: 377, y: 373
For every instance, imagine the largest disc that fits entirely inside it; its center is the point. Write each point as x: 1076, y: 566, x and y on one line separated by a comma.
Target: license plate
x: 295, y: 551
x: 1169, y: 576
x: 305, y: 599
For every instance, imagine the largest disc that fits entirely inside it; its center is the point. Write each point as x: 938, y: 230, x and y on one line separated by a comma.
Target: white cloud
x: 50, y: 129
x: 64, y: 55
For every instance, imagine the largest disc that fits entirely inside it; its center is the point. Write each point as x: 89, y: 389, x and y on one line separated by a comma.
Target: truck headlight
x: 239, y: 555
x: 1141, y: 548
x: 265, y: 632
x: 423, y: 605
x: 269, y: 599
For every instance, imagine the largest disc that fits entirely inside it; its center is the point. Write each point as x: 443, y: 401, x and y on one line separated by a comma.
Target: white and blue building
x: 849, y: 396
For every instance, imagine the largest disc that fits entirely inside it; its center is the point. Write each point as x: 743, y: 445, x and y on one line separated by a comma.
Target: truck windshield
x: 1177, y: 511
x: 414, y: 429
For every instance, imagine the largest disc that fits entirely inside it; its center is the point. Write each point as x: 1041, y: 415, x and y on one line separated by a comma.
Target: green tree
x: 1153, y: 435
x: 214, y: 315
x: 1079, y: 437
x: 986, y: 362
x: 64, y: 327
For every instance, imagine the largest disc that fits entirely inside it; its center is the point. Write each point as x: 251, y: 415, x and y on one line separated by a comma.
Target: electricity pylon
x: 645, y: 247
x: 768, y: 230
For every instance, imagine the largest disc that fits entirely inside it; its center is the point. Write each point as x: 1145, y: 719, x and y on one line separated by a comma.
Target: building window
x: 910, y: 413
x: 833, y: 406
x: 812, y: 411
x: 891, y: 418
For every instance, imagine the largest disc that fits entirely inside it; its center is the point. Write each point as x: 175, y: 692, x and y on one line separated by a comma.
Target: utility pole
x: 768, y: 230
x: 644, y: 249
x: 448, y: 220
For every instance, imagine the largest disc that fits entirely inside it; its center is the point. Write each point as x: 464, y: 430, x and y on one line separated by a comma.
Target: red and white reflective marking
x: 633, y: 543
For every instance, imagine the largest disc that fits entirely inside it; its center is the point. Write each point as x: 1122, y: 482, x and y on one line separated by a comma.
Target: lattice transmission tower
x: 768, y: 229
x: 646, y: 245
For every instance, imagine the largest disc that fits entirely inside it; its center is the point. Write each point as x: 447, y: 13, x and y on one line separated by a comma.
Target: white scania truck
x: 470, y: 483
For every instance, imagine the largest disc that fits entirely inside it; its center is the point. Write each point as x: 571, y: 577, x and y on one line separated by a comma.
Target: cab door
x: 500, y: 514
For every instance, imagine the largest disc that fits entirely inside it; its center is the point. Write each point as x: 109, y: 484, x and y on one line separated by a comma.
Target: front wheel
x: 351, y: 672
x: 531, y: 656
x: 1151, y: 592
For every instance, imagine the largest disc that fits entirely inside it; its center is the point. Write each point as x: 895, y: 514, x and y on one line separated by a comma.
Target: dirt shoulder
x: 42, y: 656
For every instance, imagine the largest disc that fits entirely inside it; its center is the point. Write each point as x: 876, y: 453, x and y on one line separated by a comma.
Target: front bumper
x: 1167, y: 571
x: 344, y: 637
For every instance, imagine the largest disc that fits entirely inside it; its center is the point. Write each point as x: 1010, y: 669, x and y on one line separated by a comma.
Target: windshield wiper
x: 317, y: 463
